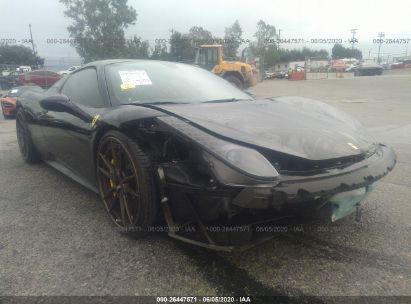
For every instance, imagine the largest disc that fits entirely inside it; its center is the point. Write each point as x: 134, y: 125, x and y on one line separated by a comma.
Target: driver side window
x: 82, y: 88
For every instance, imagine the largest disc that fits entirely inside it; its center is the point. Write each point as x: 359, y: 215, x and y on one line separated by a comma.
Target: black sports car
x: 167, y: 138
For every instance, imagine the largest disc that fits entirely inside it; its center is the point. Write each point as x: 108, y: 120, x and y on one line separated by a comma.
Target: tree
x: 271, y: 56
x: 19, y: 55
x: 232, y: 40
x: 181, y: 48
x: 296, y: 54
x: 136, y: 48
x: 160, y: 51
x: 338, y: 52
x: 265, y: 35
x: 199, y: 36
x: 98, y: 27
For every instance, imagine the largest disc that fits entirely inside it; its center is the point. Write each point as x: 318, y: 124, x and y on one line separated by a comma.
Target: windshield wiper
x: 224, y: 100
x: 155, y: 103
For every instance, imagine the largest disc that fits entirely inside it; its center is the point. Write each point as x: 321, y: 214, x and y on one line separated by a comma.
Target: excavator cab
x: 210, y: 57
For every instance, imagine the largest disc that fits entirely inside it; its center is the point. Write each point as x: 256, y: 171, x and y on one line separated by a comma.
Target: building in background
x: 281, y: 67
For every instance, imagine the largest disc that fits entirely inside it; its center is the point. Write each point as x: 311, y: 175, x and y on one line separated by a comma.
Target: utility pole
x: 353, y: 32
x: 172, y: 43
x: 279, y: 38
x: 380, y: 36
x: 31, y: 39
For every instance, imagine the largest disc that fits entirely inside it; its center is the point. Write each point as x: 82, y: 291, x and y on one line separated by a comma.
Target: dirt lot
x: 55, y: 238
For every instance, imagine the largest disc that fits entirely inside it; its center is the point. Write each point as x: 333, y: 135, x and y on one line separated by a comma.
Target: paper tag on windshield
x: 126, y: 86
x: 136, y: 78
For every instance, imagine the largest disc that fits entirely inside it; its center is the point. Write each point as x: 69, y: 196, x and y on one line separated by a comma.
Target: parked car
x: 42, y: 78
x: 275, y: 75
x: 23, y: 69
x: 405, y: 63
x: 8, y: 101
x: 281, y: 75
x: 152, y: 136
x: 10, y: 80
x: 69, y: 70
x: 367, y: 69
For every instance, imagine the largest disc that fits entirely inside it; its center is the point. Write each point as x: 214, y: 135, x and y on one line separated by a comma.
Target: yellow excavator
x: 210, y: 57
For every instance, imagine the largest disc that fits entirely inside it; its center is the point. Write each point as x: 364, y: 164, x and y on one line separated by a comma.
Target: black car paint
x: 292, y: 125
x: 283, y: 126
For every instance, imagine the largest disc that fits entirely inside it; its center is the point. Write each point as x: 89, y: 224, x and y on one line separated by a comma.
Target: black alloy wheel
x: 126, y: 183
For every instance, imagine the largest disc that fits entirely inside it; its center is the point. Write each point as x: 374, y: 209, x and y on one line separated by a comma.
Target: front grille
x: 8, y: 105
x: 291, y: 165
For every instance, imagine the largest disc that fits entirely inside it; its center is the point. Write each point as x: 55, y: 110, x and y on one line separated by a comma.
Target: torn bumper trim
x: 303, y: 188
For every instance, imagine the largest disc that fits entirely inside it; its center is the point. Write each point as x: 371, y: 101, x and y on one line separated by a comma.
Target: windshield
x: 159, y: 82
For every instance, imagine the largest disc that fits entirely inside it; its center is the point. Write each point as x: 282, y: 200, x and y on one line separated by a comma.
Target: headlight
x: 245, y: 160
x: 248, y: 161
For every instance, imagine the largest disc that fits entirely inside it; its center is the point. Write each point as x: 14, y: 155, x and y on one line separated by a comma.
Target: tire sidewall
x: 145, y: 182
x: 31, y: 155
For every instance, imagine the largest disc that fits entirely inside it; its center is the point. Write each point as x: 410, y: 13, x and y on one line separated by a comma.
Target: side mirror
x: 61, y: 103
x: 58, y: 103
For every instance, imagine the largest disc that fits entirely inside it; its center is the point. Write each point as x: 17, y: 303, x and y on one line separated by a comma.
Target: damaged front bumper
x: 333, y: 194
x: 295, y: 189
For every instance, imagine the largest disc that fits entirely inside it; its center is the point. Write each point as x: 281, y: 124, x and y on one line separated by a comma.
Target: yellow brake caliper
x: 111, y: 181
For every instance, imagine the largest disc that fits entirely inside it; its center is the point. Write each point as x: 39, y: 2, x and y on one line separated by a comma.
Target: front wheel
x: 235, y: 81
x: 126, y: 183
x: 27, y: 149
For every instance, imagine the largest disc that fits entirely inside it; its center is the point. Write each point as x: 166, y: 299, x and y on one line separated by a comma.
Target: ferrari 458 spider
x: 167, y: 139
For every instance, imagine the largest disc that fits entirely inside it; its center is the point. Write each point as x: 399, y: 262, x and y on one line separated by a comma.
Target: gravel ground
x: 55, y: 238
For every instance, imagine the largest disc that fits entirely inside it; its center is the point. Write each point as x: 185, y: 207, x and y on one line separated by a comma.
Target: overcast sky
x: 296, y: 19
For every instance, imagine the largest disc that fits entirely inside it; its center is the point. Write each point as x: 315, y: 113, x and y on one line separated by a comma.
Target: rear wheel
x: 27, y: 149
x: 126, y: 182
x: 235, y: 81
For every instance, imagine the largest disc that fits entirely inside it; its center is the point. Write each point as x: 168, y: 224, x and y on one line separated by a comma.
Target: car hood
x: 297, y: 126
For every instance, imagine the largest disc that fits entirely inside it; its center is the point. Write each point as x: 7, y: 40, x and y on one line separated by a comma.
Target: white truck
x: 69, y: 70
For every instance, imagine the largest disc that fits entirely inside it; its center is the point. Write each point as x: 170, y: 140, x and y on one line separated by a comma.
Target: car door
x: 51, y: 78
x: 36, y: 77
x: 68, y: 137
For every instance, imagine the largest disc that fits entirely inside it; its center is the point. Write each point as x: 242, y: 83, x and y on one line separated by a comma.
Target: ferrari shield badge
x: 94, y: 120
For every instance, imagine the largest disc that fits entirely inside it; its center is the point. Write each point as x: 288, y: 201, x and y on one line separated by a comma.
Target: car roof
x: 103, y: 63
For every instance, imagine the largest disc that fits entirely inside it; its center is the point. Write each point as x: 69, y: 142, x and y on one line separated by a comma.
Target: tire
x: 129, y: 201
x: 27, y: 148
x: 235, y: 81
